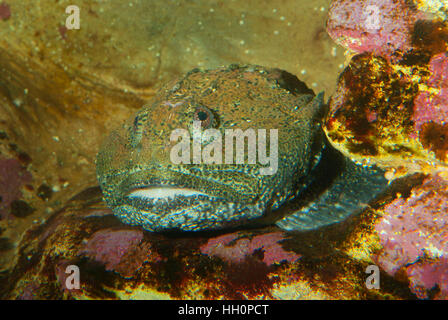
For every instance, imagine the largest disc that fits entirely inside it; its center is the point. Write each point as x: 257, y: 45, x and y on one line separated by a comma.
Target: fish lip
x: 152, y: 177
x: 163, y: 191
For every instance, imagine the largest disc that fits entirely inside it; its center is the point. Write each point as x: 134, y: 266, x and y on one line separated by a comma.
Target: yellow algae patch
x: 140, y: 293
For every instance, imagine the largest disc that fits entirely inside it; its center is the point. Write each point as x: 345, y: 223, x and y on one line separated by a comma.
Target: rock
x: 380, y: 27
x: 119, y: 250
x: 431, y: 109
x: 12, y: 178
x: 5, y: 11
x: 118, y: 261
x: 414, y: 234
x: 267, y: 245
x: 391, y: 114
x: 429, y: 279
x: 390, y: 103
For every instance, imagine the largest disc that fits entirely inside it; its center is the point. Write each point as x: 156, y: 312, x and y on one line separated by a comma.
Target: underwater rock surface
x: 12, y: 178
x: 380, y: 27
x: 390, y: 108
x: 414, y: 235
x: 117, y: 261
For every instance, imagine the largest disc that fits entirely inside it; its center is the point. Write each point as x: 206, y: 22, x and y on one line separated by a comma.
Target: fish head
x: 175, y: 165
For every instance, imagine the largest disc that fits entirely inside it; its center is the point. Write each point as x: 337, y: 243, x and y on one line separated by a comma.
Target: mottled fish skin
x: 209, y: 196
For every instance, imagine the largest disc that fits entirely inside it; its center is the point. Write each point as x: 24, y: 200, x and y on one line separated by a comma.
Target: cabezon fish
x: 312, y: 185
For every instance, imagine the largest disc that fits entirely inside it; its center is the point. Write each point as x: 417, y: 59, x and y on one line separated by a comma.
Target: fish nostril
x: 137, y: 128
x: 135, y: 123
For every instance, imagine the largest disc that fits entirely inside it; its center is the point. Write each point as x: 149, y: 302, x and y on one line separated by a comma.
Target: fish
x: 312, y: 184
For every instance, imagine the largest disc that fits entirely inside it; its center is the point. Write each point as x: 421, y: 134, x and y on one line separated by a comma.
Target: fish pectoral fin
x: 349, y: 193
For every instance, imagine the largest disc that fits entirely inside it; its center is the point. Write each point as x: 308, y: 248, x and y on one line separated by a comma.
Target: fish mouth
x: 151, y: 196
x: 161, y: 200
x: 164, y: 192
x: 166, y: 184
x: 162, y: 207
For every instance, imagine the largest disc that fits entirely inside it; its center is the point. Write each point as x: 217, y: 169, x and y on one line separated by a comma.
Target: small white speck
x: 334, y: 51
x: 276, y: 32
x: 241, y: 22
x: 274, y: 10
x: 282, y: 18
x: 17, y: 102
x: 341, y: 66
x: 56, y: 138
x: 322, y: 9
x: 242, y: 42
x: 25, y: 91
x: 212, y: 10
x: 188, y: 49
x: 247, y: 51
x: 303, y: 71
x: 289, y: 24
x: 158, y: 54
x: 314, y: 84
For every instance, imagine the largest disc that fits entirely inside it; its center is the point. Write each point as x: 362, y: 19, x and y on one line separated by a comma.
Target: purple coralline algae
x: 431, y: 107
x: 374, y: 26
x: 233, y: 248
x: 5, y: 11
x: 391, y: 103
x: 12, y: 177
x: 432, y: 103
x: 414, y: 235
x: 427, y: 277
x: 119, y: 250
x: 29, y: 292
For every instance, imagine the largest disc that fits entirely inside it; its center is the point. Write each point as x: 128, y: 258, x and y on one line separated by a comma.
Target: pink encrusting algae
x: 12, y: 177
x: 236, y: 252
x: 119, y: 250
x: 432, y: 102
x: 374, y: 26
x: 414, y: 235
x: 5, y: 11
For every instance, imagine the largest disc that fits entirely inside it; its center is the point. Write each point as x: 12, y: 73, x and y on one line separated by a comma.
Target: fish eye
x: 204, y: 115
